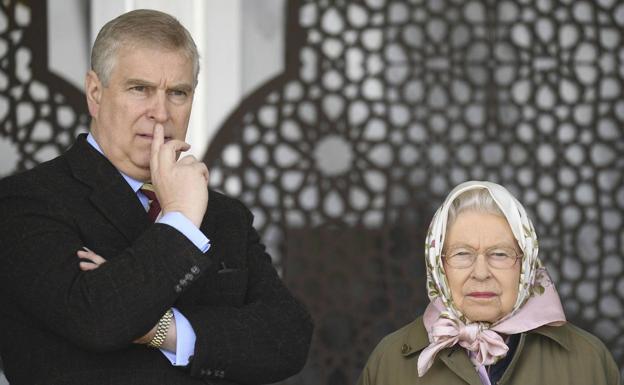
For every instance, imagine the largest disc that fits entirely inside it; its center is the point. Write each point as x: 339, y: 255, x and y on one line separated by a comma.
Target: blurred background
x: 343, y: 124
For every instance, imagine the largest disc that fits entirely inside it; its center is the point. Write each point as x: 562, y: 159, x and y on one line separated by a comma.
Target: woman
x: 494, y: 316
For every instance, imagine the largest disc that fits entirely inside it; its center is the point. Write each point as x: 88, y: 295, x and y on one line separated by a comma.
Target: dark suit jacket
x: 59, y: 325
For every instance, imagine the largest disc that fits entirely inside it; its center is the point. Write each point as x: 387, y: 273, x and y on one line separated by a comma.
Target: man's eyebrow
x: 181, y: 87
x: 139, y: 82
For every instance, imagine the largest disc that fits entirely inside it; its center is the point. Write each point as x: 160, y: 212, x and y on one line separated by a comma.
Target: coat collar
x: 560, y: 335
x: 416, y: 339
x: 110, y: 193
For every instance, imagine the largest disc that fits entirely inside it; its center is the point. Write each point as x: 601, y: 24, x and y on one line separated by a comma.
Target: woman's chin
x: 483, y: 315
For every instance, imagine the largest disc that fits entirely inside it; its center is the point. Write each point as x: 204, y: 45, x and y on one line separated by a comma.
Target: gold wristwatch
x: 161, y: 330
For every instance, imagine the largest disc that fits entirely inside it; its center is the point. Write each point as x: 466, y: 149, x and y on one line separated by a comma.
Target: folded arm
x: 264, y: 337
x: 101, y: 310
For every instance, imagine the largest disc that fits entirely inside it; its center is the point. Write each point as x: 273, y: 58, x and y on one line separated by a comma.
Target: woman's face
x: 480, y: 292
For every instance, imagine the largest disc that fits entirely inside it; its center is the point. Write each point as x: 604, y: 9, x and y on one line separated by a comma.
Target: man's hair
x: 140, y: 28
x: 478, y: 200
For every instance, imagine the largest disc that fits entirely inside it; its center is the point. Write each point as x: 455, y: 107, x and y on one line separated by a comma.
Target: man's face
x: 146, y: 86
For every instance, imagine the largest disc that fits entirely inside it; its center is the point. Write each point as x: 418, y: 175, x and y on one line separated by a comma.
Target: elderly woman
x: 494, y: 316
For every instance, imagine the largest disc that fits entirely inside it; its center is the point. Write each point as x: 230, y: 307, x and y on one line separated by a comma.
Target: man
x: 191, y: 298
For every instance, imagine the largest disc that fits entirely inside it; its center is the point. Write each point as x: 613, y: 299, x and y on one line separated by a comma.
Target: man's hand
x: 180, y: 185
x: 91, y: 261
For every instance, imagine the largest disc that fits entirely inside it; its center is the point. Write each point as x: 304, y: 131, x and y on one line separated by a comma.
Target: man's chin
x: 140, y: 170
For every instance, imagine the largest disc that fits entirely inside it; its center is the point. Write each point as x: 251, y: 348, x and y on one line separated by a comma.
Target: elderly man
x: 177, y: 288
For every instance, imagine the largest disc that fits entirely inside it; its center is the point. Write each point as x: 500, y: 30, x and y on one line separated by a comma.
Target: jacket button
x: 405, y: 348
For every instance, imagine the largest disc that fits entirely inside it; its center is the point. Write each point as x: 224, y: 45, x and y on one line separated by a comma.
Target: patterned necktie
x: 154, y: 206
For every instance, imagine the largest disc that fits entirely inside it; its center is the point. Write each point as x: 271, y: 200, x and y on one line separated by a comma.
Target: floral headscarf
x: 537, y: 303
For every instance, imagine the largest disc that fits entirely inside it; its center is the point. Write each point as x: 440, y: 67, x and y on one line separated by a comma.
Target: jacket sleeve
x: 100, y: 310
x: 267, y: 337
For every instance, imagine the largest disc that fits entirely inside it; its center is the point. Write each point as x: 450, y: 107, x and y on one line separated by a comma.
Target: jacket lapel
x: 110, y: 193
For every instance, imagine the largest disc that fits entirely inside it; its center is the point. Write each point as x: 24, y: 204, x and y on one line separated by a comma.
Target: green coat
x: 547, y: 355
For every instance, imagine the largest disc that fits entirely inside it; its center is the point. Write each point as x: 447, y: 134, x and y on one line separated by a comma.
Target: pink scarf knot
x: 486, y: 346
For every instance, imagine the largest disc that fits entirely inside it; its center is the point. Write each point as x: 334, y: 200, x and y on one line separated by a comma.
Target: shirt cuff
x: 178, y: 221
x: 185, y: 341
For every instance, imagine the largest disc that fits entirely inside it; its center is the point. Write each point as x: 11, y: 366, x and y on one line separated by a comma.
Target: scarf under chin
x: 483, y: 342
x: 537, y: 304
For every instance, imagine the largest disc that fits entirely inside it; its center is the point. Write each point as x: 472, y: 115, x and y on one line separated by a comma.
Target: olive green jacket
x: 547, y: 355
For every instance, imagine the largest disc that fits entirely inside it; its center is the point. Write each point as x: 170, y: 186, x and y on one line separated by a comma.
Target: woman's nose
x: 481, y: 269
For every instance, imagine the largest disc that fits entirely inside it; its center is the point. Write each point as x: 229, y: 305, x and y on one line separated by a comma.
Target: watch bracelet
x: 161, y: 330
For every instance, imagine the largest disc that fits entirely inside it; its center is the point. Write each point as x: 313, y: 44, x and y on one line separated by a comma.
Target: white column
x: 222, y: 57
x: 216, y: 28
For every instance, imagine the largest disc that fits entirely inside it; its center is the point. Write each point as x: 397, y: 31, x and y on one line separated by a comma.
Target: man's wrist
x: 161, y: 330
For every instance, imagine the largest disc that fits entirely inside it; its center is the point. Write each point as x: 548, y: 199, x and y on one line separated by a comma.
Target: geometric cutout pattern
x: 40, y: 113
x: 384, y: 106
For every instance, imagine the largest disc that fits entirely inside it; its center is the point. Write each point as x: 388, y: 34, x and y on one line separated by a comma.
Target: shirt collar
x: 134, y: 184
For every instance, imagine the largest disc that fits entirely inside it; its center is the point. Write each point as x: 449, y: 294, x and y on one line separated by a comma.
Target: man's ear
x: 93, y: 90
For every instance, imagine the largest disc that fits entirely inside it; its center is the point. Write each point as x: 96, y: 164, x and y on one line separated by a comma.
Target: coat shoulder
x: 583, y: 338
x: 219, y: 203
x: 44, y: 177
x: 392, y: 359
x: 583, y: 355
x: 408, y: 335
x: 573, y: 338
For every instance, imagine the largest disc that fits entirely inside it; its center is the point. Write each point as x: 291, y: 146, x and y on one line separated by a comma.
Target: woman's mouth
x: 482, y: 294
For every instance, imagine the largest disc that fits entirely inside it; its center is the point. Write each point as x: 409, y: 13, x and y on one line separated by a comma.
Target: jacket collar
x: 558, y: 334
x: 110, y: 193
x: 454, y: 357
x: 416, y: 339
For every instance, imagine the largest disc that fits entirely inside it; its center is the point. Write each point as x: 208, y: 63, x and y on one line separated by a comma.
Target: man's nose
x: 158, y: 109
x: 481, y: 269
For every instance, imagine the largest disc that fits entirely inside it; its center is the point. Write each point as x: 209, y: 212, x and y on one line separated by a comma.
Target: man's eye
x: 138, y: 88
x: 178, y: 93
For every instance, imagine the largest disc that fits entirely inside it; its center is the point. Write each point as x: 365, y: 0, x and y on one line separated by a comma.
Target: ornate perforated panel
x: 384, y: 107
x: 40, y: 113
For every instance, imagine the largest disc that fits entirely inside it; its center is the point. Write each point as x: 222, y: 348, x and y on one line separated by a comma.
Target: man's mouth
x: 150, y: 137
